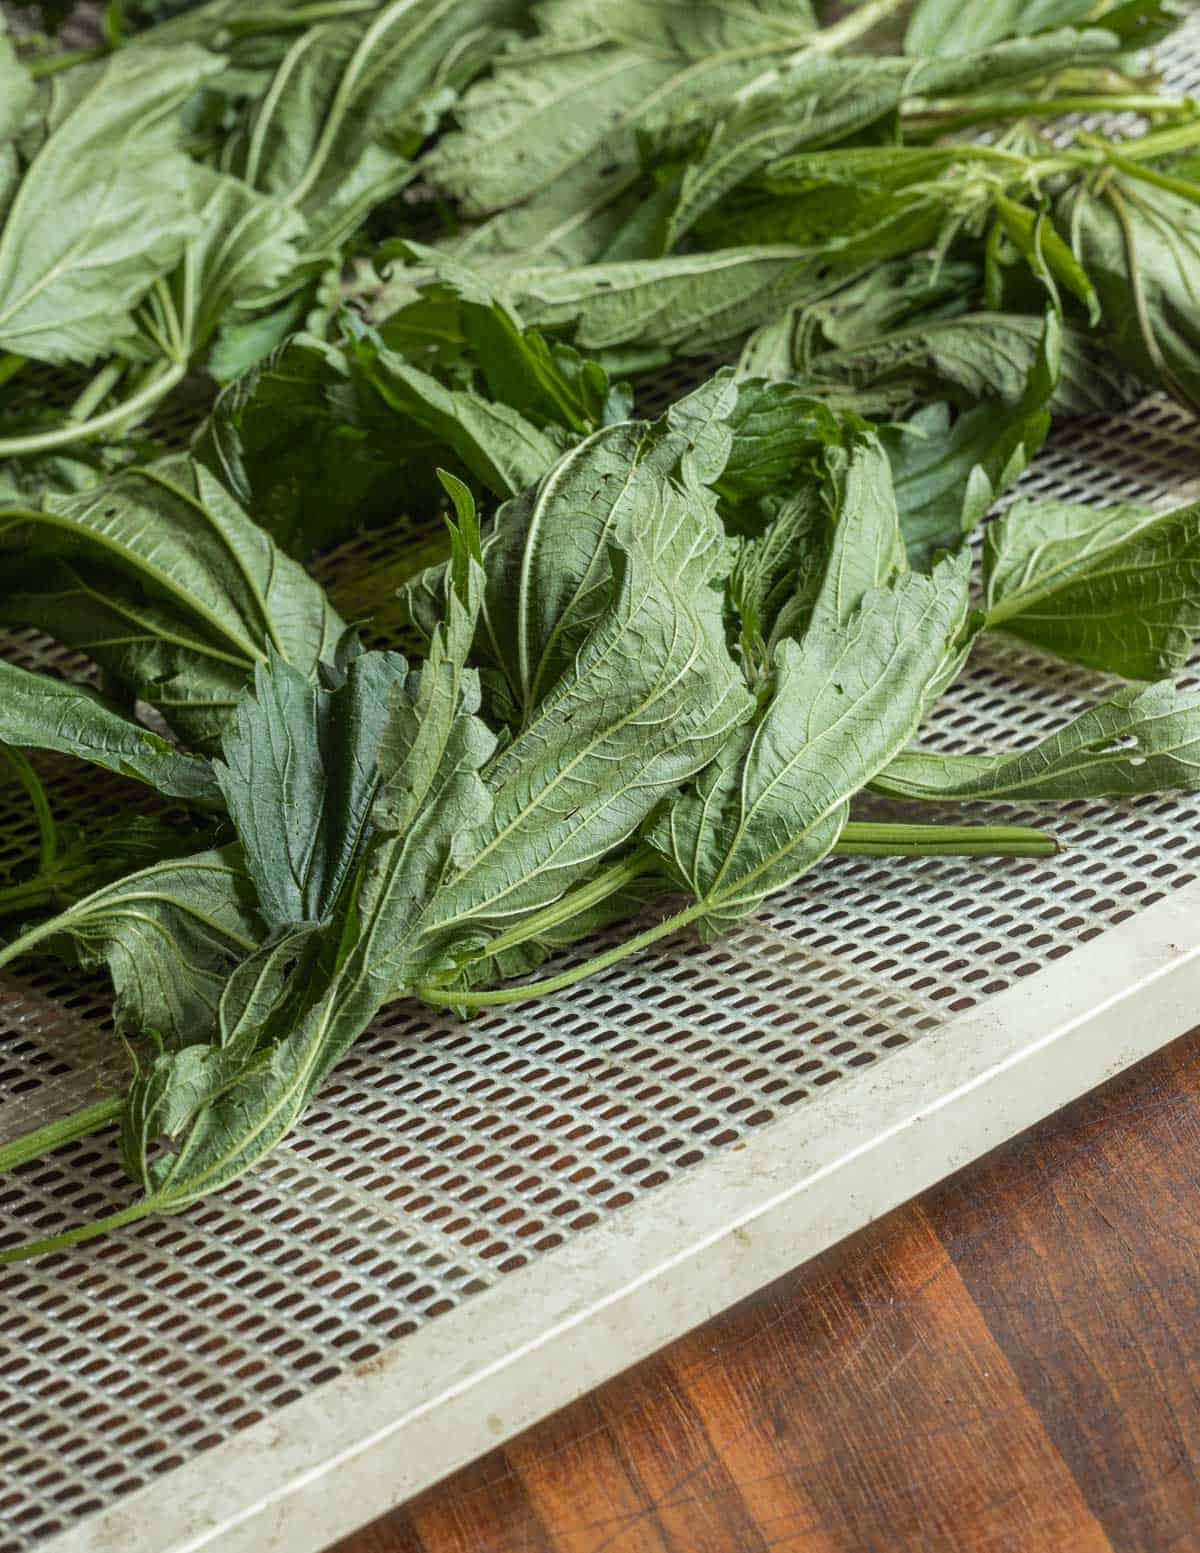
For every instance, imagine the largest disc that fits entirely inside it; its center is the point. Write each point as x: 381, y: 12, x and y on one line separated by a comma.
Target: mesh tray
x: 478, y: 1221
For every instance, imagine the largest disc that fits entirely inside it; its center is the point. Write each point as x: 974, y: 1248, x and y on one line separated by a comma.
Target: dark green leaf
x: 164, y: 580
x: 846, y: 698
x: 1116, y: 588
x: 104, y: 208
x: 37, y: 712
x: 1142, y: 741
x: 299, y: 777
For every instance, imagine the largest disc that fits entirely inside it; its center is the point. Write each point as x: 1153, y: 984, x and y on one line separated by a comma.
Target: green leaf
x: 883, y: 299
x: 817, y: 102
x: 549, y: 557
x: 103, y: 210
x: 453, y: 311
x: 1050, y: 259
x: 302, y: 1000
x: 331, y: 135
x: 495, y: 442
x: 1140, y: 245
x: 947, y: 477
x: 169, y: 936
x: 777, y: 577
x: 1142, y: 741
x: 85, y: 860
x: 299, y: 776
x: 1115, y: 588
x: 846, y: 698
x: 866, y: 550
x: 290, y: 439
x: 37, y: 712
x: 947, y: 27
x: 689, y: 304
x: 550, y: 137
x: 244, y: 245
x: 776, y: 430
x: 980, y: 356
x: 647, y: 702
x: 16, y: 90
x: 164, y: 580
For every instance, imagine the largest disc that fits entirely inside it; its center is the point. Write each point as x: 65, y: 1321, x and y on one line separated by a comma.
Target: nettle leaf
x: 946, y: 477
x: 884, y: 298
x: 776, y: 578
x: 244, y: 245
x: 549, y: 556
x: 104, y: 208
x: 16, y: 90
x: 1115, y: 588
x: 1140, y: 246
x: 169, y: 937
x: 866, y: 549
x: 844, y: 700
x: 496, y: 443
x: 948, y: 27
x: 979, y: 356
x: 776, y: 430
x: 647, y: 702
x: 299, y: 775
x: 816, y: 102
x: 689, y: 304
x: 1142, y: 741
x: 301, y: 1000
x: 452, y: 315
x: 331, y: 135
x: 162, y: 578
x: 821, y: 552
x: 293, y: 442
x: 37, y: 712
x: 550, y: 138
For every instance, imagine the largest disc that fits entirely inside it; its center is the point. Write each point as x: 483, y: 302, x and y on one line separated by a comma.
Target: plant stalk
x: 32, y: 783
x: 154, y: 390
x: 66, y: 1129
x: 81, y: 1232
x: 859, y: 838
x: 942, y: 117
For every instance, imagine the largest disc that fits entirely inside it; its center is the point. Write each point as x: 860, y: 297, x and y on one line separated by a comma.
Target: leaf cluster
x: 645, y: 674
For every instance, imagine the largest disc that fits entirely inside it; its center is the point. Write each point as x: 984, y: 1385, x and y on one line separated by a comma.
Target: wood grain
x: 1010, y: 1364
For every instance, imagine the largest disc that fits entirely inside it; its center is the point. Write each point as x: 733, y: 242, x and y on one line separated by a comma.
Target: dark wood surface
x: 1010, y: 1363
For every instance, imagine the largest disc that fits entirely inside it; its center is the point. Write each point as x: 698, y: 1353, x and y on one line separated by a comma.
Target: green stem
x: 97, y: 390
x: 1184, y: 187
x: 446, y: 998
x: 81, y: 1232
x: 606, y: 883
x: 863, y: 838
x: 47, y: 829
x: 51, y: 64
x: 859, y: 838
x: 941, y: 117
x: 156, y: 388
x: 1165, y: 142
x: 44, y: 1140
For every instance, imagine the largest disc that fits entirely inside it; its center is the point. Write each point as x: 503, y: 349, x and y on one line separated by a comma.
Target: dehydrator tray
x: 479, y: 1221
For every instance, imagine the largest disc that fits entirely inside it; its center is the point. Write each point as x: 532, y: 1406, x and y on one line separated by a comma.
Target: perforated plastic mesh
x: 441, y: 1156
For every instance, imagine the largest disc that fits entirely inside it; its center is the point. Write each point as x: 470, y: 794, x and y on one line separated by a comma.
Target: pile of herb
x: 420, y: 260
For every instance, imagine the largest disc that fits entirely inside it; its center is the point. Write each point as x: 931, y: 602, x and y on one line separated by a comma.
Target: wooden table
x: 1009, y: 1365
